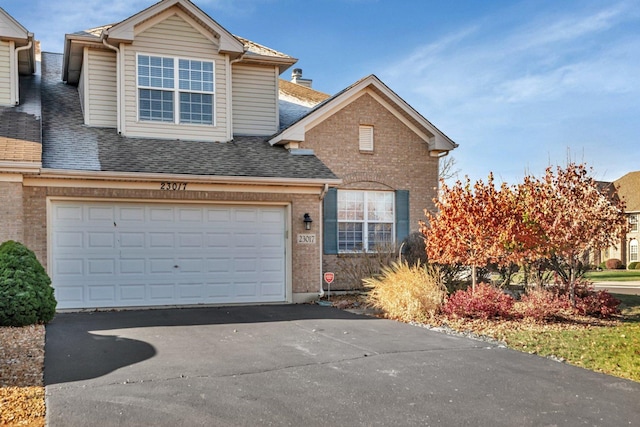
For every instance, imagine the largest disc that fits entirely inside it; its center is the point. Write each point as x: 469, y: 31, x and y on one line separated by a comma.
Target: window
x: 365, y: 219
x: 633, y: 223
x: 633, y: 250
x: 158, y: 92
x: 366, y: 138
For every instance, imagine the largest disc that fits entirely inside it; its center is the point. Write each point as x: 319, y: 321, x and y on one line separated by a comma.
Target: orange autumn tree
x: 466, y: 228
x: 572, y: 217
x: 558, y: 218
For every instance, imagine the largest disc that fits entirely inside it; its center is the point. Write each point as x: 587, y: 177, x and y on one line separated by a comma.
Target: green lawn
x: 614, y: 276
x: 614, y: 350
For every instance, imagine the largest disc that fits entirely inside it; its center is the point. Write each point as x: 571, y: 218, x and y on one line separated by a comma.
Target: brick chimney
x: 296, y: 77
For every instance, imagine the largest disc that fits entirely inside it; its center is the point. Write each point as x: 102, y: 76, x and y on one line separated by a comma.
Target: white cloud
x: 515, y: 96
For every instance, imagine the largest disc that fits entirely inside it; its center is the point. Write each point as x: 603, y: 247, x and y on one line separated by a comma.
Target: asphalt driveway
x: 307, y: 365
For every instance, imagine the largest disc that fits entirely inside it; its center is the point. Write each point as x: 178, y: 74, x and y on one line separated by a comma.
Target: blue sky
x: 520, y: 85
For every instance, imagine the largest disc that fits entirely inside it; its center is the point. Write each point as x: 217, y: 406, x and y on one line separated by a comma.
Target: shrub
x: 638, y: 266
x: 26, y: 295
x: 598, y: 303
x: 484, y: 303
x: 614, y: 264
x: 633, y: 265
x: 407, y: 293
x: 414, y: 249
x: 542, y: 305
x: 354, y: 267
x: 602, y: 265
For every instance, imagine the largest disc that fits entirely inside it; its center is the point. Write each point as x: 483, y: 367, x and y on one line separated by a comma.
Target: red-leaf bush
x: 598, y: 303
x: 486, y: 302
x: 543, y: 305
x: 614, y: 264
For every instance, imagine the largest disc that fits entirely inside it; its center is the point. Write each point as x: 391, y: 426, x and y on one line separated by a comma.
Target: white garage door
x: 125, y: 254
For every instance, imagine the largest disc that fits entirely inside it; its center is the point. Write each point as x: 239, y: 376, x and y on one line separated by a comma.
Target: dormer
x: 17, y: 57
x: 169, y: 72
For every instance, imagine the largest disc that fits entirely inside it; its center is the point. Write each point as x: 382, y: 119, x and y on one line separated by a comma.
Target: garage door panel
x: 131, y: 215
x: 127, y: 254
x: 100, y: 214
x: 130, y: 293
x: 102, y: 293
x: 101, y: 266
x: 132, y: 266
x: 68, y: 267
x: 131, y: 240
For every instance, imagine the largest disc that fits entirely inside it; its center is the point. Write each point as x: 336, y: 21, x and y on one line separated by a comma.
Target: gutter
x: 17, y: 73
x: 104, y: 37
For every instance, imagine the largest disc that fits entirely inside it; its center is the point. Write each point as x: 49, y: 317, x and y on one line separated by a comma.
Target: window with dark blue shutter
x: 330, y: 226
x: 402, y: 215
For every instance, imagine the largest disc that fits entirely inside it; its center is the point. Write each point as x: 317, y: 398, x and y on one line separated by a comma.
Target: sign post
x: 329, y: 277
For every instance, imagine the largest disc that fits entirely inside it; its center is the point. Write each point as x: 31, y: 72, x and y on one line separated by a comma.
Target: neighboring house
x: 626, y: 189
x: 178, y: 169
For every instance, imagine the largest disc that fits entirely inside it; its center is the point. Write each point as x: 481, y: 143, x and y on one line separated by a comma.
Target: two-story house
x: 175, y: 171
x: 627, y: 189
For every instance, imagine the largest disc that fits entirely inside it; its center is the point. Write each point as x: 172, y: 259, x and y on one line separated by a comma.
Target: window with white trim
x: 633, y: 250
x: 366, y: 220
x: 160, y: 99
x: 366, y: 138
x: 633, y: 223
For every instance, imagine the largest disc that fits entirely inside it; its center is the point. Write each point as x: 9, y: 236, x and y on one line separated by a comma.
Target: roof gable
x: 11, y: 29
x: 628, y: 188
x: 371, y: 85
x: 126, y: 30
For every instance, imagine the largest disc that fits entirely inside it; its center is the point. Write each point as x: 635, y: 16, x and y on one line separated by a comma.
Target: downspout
x: 118, y: 82
x: 321, y: 213
x: 230, y: 93
x: 17, y: 82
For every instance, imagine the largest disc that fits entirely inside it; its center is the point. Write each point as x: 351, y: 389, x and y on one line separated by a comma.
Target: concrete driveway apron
x: 306, y: 365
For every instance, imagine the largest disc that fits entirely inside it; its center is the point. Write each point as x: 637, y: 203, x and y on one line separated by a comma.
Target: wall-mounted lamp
x: 307, y: 221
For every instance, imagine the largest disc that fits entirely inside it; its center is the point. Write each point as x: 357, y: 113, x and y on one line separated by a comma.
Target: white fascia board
x: 10, y: 28
x: 135, y: 176
x: 125, y: 30
x: 435, y: 138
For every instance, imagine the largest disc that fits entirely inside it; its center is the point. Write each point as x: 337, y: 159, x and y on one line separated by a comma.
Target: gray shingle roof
x: 23, y: 121
x: 69, y: 144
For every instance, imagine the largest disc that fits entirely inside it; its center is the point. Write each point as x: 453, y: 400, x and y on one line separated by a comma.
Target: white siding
x: 255, y: 100
x: 5, y: 73
x: 176, y: 38
x: 102, y: 99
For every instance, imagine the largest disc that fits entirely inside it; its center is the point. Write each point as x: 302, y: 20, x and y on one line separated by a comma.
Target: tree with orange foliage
x: 558, y: 217
x: 571, y: 216
x: 465, y: 229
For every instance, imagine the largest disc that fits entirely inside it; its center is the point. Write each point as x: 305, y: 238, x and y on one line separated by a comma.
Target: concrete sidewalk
x: 307, y: 365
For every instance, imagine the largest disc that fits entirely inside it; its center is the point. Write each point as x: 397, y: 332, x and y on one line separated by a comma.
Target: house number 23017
x: 173, y: 186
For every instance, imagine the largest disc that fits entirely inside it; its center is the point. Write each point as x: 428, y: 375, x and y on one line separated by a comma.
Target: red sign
x: 328, y: 277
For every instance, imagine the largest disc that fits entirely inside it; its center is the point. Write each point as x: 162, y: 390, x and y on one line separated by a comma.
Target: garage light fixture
x: 307, y: 221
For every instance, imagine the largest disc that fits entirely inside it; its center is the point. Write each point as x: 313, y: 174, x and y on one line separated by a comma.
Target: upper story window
x: 633, y: 223
x: 365, y: 220
x: 191, y: 100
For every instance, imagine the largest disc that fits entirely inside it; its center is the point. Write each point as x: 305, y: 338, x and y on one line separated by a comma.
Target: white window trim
x: 365, y: 222
x: 176, y: 90
x: 634, y: 223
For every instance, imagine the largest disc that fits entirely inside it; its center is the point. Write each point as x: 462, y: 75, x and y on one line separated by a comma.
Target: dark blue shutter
x: 402, y: 215
x: 330, y: 226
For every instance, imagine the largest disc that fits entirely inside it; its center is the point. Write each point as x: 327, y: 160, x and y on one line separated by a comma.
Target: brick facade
x: 400, y: 160
x: 11, y: 211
